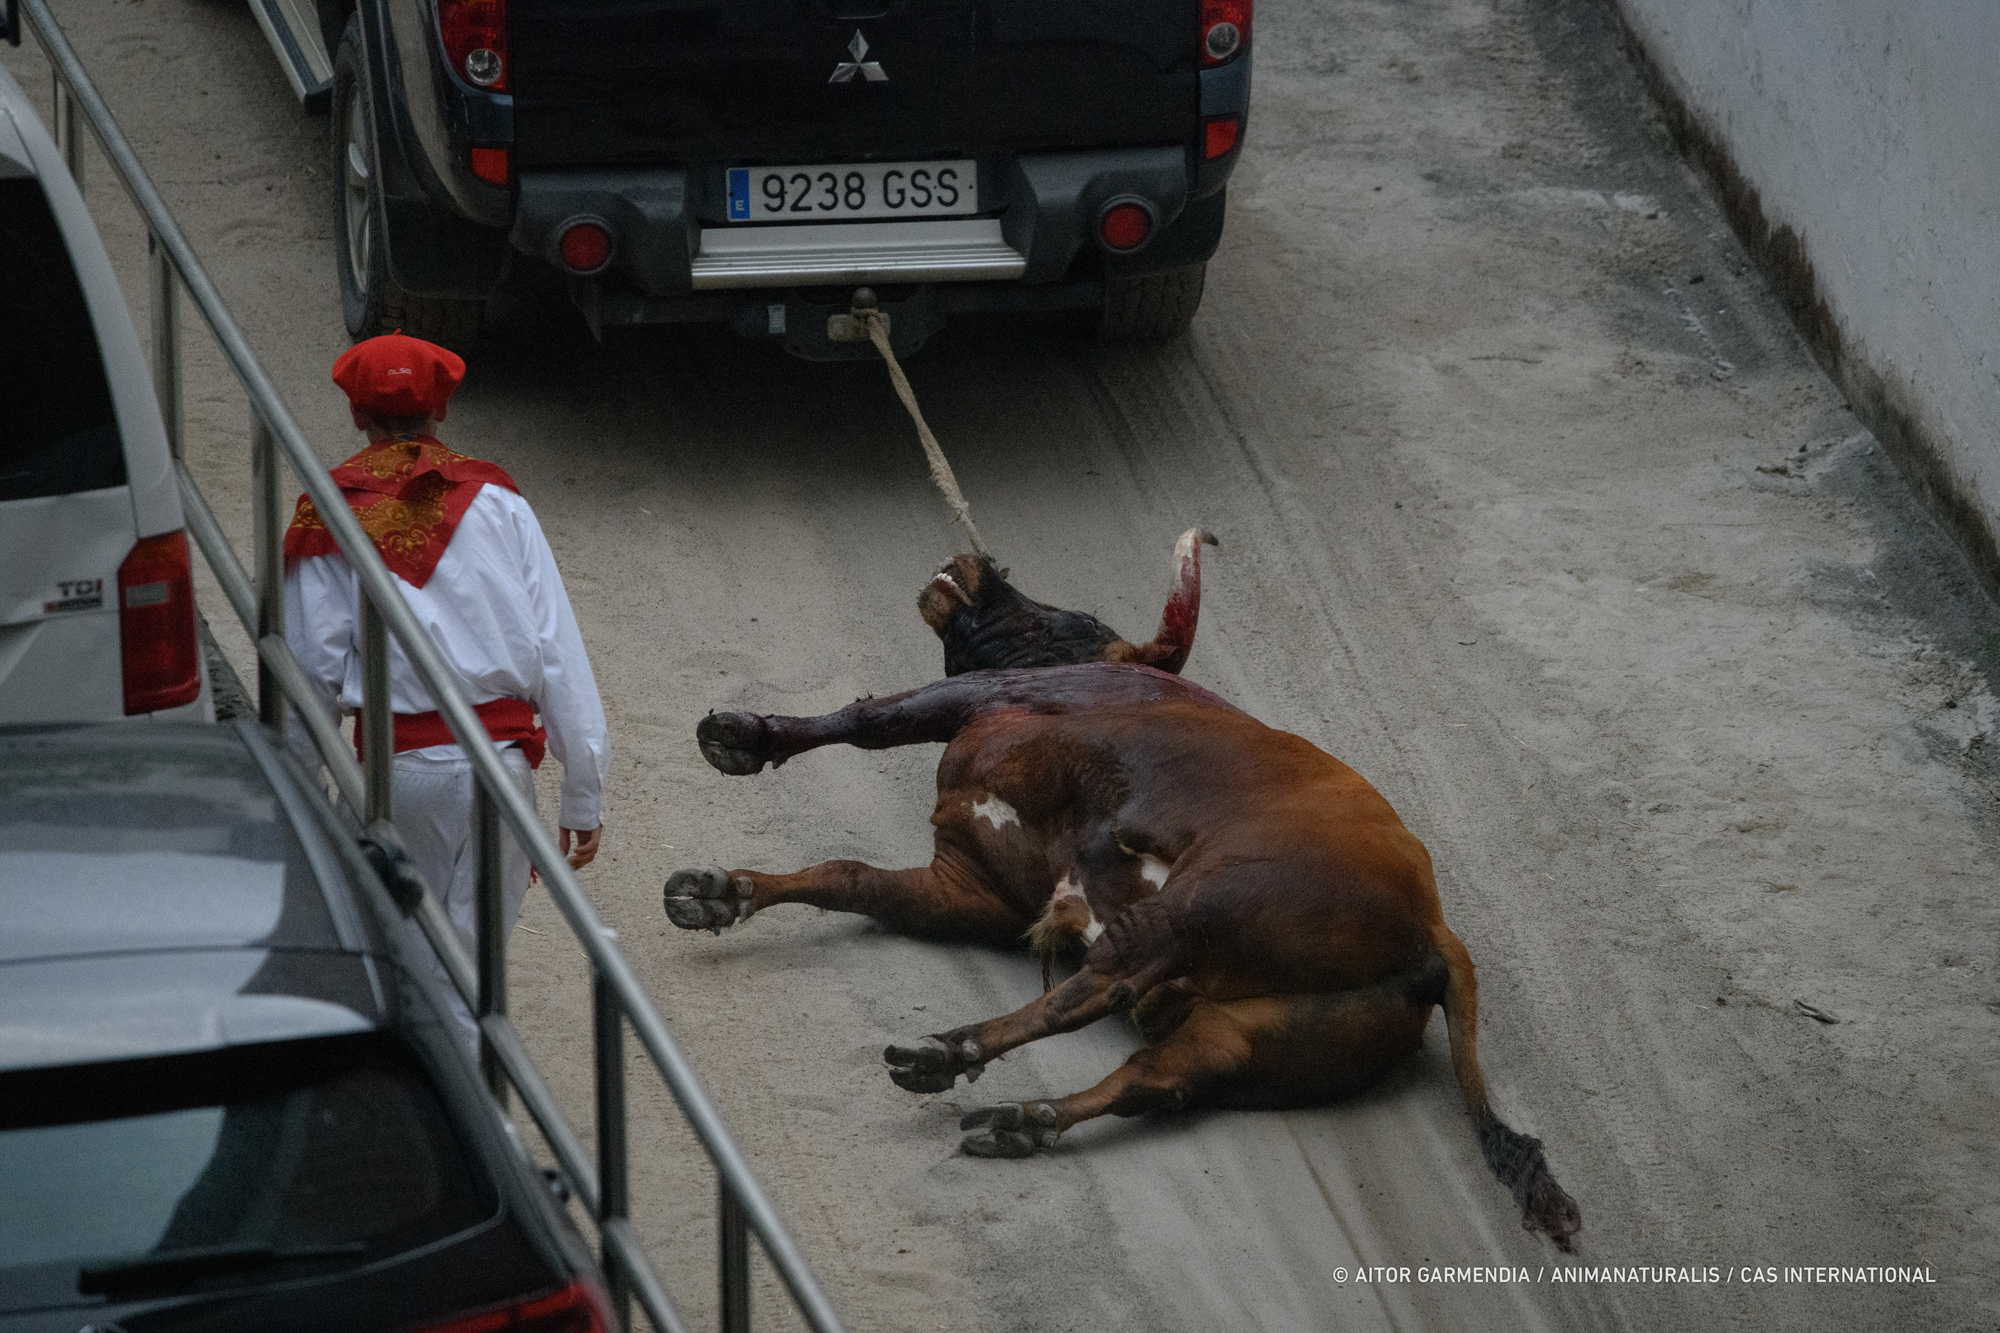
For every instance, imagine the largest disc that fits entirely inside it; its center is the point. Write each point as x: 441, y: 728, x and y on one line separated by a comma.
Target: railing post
x: 67, y: 141
x: 492, y: 952
x: 166, y: 342
x: 376, y: 723
x: 613, y: 1176
x: 735, y: 1263
x: 268, y: 534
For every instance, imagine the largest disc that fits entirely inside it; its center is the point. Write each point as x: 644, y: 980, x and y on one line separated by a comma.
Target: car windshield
x: 209, y: 1171
x: 58, y: 433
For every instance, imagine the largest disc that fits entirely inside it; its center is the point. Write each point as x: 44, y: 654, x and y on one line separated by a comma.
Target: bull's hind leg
x: 939, y: 901
x: 1266, y: 1051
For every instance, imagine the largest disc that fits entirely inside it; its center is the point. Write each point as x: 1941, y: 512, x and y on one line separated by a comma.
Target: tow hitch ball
x: 852, y: 326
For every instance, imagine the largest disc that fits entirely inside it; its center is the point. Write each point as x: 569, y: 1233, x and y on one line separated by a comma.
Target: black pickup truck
x: 750, y: 162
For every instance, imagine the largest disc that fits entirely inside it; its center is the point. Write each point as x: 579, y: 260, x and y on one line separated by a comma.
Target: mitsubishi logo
x: 845, y: 71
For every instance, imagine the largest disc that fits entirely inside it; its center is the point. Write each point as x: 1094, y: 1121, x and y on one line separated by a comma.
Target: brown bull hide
x: 1253, y: 903
x: 987, y: 624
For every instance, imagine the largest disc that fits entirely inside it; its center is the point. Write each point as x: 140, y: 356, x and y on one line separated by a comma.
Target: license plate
x: 853, y: 190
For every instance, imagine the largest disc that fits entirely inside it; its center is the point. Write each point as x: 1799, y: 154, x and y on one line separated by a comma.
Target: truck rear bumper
x: 1040, y: 228
x: 804, y: 318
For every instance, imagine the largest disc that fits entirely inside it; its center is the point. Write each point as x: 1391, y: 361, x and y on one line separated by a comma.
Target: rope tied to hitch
x: 867, y: 313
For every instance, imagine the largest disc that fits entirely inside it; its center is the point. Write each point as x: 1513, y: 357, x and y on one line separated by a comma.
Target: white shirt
x: 496, y: 609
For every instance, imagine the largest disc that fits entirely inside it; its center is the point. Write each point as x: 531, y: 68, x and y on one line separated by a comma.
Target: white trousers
x: 433, y: 804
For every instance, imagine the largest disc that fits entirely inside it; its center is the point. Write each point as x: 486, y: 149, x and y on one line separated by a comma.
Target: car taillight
x: 1218, y: 136
x: 475, y: 40
x: 1225, y: 30
x: 577, y: 1308
x: 585, y: 245
x: 160, y: 654
x: 1126, y: 225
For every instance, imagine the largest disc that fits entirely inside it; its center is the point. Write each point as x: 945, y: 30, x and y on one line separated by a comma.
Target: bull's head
x: 986, y: 623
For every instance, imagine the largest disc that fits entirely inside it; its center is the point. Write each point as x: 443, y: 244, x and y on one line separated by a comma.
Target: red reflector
x: 159, y: 653
x: 1225, y: 30
x: 585, y: 247
x: 1125, y: 226
x: 490, y: 165
x: 469, y: 26
x: 1218, y: 136
x: 572, y: 1309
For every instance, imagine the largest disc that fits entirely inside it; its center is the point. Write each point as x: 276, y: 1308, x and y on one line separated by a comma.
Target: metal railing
x: 617, y: 997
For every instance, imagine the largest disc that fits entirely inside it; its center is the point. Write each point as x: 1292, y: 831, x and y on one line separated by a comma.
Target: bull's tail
x: 1515, y: 1157
x: 1170, y: 647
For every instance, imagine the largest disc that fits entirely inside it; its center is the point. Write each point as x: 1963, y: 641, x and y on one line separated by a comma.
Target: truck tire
x: 1152, y: 308
x: 372, y: 302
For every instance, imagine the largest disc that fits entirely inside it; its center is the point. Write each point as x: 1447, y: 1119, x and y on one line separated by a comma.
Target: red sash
x: 409, y: 494
x: 505, y: 719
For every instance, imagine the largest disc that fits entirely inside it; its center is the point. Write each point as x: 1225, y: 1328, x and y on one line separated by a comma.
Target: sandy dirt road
x: 1533, y: 510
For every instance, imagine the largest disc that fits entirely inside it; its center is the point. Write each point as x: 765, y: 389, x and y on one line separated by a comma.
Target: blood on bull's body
x: 1251, y: 902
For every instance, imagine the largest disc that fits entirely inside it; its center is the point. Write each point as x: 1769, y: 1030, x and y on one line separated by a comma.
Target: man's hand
x: 587, y: 843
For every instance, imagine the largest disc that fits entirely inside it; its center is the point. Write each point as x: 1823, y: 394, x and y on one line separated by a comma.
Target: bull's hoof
x: 734, y: 743
x: 933, y: 1066
x: 706, y: 899
x: 1011, y: 1129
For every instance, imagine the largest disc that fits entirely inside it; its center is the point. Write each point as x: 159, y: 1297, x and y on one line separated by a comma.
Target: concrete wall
x: 1857, y: 143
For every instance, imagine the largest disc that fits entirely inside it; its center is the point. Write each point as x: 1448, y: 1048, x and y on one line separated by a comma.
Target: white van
x: 97, y: 616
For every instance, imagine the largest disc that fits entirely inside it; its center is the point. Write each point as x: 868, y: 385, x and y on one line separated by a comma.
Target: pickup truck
x: 751, y: 162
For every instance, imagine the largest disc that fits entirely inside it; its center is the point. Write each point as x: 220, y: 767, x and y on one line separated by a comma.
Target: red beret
x: 398, y: 376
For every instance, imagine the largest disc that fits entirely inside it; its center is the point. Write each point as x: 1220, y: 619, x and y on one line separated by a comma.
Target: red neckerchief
x: 409, y: 494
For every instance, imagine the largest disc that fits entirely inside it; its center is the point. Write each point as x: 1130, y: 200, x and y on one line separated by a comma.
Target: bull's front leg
x: 742, y: 743
x: 1136, y: 954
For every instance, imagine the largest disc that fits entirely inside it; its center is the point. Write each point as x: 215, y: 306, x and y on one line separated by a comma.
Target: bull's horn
x: 1170, y: 647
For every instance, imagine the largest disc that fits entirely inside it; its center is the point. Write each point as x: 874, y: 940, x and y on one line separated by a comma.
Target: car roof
x: 167, y: 888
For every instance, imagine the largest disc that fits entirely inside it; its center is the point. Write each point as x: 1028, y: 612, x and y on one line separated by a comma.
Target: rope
x: 941, y: 472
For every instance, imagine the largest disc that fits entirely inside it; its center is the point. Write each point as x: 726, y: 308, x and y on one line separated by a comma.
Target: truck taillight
x: 475, y: 40
x: 156, y: 638
x: 1125, y: 225
x: 490, y: 165
x: 576, y: 1308
x: 1218, y: 136
x: 585, y: 245
x: 1225, y: 30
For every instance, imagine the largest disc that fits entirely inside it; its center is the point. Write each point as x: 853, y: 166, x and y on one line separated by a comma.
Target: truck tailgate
x: 632, y: 82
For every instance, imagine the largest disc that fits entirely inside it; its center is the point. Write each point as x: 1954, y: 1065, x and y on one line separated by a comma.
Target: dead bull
x: 1254, y: 903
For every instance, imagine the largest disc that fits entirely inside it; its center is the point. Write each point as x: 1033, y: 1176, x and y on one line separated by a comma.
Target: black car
x: 228, y: 1097
x: 750, y: 161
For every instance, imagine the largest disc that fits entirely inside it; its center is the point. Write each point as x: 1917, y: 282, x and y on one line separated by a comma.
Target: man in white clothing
x: 473, y: 565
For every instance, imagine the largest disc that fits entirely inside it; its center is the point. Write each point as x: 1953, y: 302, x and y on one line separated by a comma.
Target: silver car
x: 97, y: 615
x: 231, y: 1098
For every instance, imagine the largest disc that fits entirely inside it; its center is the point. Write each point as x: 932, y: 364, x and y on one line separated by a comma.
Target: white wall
x: 1872, y: 129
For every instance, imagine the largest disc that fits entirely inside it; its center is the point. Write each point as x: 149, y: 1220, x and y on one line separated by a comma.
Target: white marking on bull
x: 1154, y: 871
x: 1069, y: 888
x: 995, y: 812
